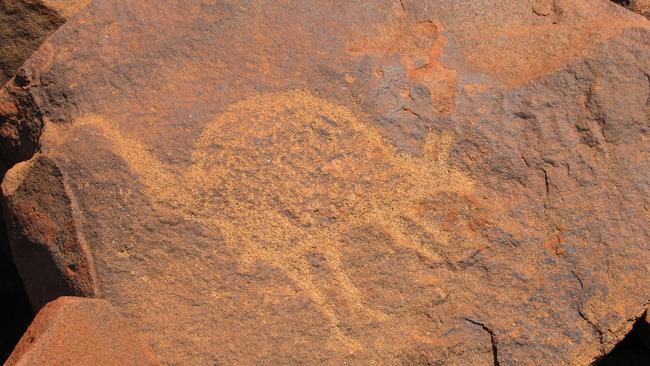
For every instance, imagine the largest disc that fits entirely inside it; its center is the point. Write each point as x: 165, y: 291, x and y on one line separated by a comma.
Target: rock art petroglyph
x: 339, y: 182
x: 281, y: 175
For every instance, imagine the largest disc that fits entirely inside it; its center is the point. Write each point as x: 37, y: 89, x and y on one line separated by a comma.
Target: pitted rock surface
x: 387, y: 182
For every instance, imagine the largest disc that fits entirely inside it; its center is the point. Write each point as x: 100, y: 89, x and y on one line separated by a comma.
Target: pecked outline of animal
x: 283, y: 174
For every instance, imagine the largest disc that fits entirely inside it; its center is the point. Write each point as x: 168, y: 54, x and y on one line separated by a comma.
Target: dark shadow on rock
x: 623, y: 2
x: 633, y: 350
x: 17, y: 312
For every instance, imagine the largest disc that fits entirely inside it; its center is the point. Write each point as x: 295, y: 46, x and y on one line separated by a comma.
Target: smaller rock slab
x: 78, y: 331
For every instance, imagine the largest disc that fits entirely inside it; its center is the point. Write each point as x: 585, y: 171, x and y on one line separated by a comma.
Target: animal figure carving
x: 283, y: 175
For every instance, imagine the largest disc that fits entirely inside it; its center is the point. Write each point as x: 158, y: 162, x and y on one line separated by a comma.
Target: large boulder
x: 24, y: 25
x: 74, y: 331
x: 385, y: 182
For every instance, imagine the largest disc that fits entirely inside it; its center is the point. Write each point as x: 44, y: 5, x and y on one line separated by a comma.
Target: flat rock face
x: 76, y: 331
x: 385, y: 182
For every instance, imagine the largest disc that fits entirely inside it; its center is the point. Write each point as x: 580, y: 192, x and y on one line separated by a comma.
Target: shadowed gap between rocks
x: 18, y: 312
x: 633, y: 350
x: 638, y: 6
x: 24, y: 25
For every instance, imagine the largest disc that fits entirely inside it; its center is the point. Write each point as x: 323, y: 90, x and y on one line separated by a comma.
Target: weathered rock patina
x: 389, y: 182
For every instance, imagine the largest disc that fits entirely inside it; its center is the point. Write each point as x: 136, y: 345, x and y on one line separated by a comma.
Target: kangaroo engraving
x: 282, y: 175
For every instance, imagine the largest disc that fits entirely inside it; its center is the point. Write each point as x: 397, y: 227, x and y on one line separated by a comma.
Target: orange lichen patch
x: 419, y: 47
x: 283, y: 175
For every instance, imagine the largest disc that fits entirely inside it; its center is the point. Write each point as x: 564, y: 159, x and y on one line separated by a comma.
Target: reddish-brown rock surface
x: 24, y: 25
x: 385, y: 182
x: 76, y: 331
